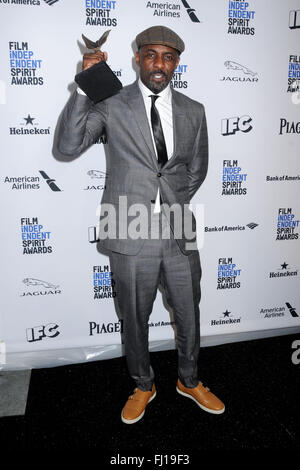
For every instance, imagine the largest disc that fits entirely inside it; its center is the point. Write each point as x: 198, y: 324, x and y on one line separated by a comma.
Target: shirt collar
x: 165, y: 94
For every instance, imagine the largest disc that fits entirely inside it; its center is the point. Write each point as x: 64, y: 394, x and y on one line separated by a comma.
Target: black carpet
x: 79, y: 406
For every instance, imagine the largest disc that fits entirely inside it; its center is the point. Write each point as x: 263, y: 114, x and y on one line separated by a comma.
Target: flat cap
x: 160, y: 35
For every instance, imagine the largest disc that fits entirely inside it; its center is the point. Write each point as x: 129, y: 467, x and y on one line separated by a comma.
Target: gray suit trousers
x: 137, y: 278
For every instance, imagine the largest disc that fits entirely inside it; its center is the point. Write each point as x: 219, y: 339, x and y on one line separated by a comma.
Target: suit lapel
x: 178, y: 125
x: 137, y: 106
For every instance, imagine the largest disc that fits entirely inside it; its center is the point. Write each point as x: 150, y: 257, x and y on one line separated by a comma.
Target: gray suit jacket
x: 133, y: 167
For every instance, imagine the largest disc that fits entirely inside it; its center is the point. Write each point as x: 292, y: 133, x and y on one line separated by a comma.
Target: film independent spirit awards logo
x: 103, y: 282
x: 241, y: 18
x: 233, y: 179
x: 228, y: 274
x: 25, y: 66
x: 35, y: 238
x: 101, y: 13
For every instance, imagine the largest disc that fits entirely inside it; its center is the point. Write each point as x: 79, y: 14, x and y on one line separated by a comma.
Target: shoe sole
x: 209, y: 410
x: 132, y: 421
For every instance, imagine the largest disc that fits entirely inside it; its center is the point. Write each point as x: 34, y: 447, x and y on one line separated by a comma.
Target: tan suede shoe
x: 134, y: 408
x: 202, y: 396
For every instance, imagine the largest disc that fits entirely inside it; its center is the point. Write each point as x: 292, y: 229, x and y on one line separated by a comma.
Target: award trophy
x: 98, y: 81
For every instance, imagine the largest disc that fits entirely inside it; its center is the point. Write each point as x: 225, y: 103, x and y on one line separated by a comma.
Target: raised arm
x: 82, y: 122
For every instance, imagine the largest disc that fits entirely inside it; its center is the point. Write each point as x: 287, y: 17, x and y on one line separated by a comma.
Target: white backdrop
x: 242, y: 61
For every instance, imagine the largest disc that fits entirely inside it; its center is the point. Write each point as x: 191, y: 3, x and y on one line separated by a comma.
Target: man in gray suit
x: 158, y: 156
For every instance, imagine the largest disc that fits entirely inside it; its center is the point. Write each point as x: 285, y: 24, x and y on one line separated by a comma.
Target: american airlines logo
x: 190, y: 12
x: 292, y: 310
x: 49, y: 181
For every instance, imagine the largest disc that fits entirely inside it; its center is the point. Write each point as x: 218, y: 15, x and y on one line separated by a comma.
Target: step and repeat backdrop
x: 242, y: 61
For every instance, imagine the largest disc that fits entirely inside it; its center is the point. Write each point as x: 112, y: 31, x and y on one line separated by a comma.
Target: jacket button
x: 158, y: 174
x: 152, y: 200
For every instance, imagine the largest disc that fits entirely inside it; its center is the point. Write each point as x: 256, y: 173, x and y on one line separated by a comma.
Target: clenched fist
x: 93, y: 58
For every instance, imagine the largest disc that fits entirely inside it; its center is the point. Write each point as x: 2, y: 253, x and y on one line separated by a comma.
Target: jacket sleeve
x: 197, y: 167
x: 81, y: 124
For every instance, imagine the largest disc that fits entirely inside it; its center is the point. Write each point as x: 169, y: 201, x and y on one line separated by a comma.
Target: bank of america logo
x: 252, y: 225
x: 50, y: 2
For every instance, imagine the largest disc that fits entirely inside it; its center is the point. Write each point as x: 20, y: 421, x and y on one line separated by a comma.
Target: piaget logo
x: 103, y: 328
